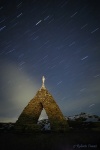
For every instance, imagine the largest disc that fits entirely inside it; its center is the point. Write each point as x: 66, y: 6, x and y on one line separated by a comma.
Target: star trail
x: 59, y: 39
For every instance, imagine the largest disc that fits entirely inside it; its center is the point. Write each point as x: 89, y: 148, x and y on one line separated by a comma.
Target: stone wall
x: 29, y: 117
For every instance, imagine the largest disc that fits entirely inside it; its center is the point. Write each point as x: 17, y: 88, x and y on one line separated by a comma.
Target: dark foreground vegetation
x: 81, y: 136
x: 50, y: 141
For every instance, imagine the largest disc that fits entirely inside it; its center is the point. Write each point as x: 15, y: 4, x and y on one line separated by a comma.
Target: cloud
x: 43, y: 115
x: 17, y: 89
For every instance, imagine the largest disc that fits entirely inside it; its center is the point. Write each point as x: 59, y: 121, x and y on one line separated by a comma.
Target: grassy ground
x: 50, y: 141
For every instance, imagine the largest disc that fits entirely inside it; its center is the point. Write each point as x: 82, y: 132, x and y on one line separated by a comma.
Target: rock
x: 30, y: 115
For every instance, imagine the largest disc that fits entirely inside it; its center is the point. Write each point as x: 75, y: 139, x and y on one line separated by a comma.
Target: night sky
x: 59, y: 39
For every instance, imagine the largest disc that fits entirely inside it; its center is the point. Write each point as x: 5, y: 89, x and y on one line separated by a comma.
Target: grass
x: 79, y: 134
x: 48, y: 141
